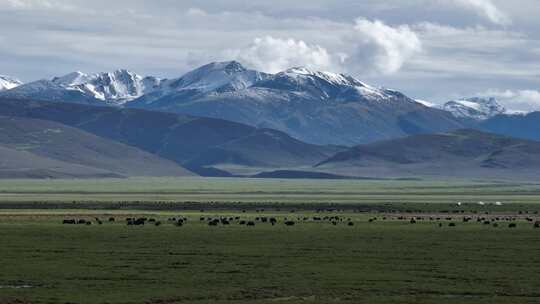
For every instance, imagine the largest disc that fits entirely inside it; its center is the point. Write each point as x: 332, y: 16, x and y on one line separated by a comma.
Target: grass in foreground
x: 381, y: 262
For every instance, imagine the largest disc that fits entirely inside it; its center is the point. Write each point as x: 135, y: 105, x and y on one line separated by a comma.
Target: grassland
x: 384, y: 261
x: 267, y: 191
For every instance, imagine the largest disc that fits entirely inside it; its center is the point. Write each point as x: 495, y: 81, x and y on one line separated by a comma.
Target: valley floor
x: 266, y: 191
x: 380, y: 258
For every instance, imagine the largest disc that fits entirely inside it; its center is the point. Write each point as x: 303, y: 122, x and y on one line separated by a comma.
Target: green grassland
x: 267, y: 190
x: 311, y: 262
x: 384, y: 261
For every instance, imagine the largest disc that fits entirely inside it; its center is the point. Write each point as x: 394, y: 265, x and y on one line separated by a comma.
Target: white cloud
x: 486, y: 9
x: 367, y: 47
x: 516, y: 100
x: 273, y: 55
x: 40, y: 40
x: 381, y: 48
x: 461, y: 56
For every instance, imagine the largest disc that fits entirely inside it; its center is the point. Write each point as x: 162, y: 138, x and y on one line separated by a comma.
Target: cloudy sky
x: 434, y: 50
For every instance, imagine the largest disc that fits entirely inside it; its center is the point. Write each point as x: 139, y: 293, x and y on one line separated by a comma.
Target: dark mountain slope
x: 265, y: 148
x: 459, y: 153
x: 520, y: 126
x: 187, y: 140
x: 53, y: 141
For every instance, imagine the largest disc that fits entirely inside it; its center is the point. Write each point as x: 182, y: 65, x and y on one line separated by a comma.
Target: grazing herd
x: 215, y: 221
x: 493, y: 221
x: 82, y: 222
x: 450, y: 221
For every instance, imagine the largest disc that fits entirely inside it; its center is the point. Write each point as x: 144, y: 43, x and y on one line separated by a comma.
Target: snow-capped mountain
x: 474, y: 108
x: 49, y: 91
x: 313, y: 106
x: 7, y: 82
x: 217, y: 77
x: 117, y: 87
x: 317, y: 107
x: 114, y: 88
x: 324, y: 85
x: 230, y: 78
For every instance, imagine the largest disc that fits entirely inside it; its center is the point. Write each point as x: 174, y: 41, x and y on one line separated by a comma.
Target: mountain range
x: 475, y: 108
x: 223, y: 119
x: 198, y: 143
x: 112, y: 141
x: 312, y: 106
x: 114, y: 88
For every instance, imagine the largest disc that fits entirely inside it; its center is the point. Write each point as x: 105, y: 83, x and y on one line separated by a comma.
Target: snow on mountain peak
x: 329, y: 85
x: 300, y: 70
x: 338, y: 79
x: 115, y: 87
x: 7, y: 82
x: 73, y: 79
x: 229, y: 67
x: 426, y: 103
x: 476, y: 108
x: 217, y: 76
x: 228, y: 77
x: 333, y: 78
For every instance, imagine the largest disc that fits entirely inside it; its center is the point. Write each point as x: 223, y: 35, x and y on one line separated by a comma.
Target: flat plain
x: 380, y: 258
x: 251, y: 190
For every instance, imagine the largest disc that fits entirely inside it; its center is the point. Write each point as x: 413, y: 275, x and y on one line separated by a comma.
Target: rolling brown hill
x: 39, y: 148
